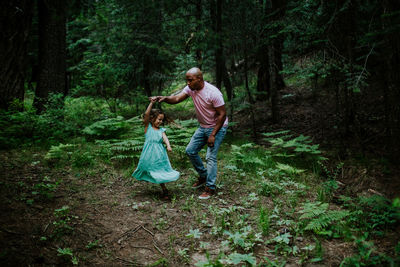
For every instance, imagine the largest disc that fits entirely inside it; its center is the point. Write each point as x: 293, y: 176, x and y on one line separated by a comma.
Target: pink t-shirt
x: 205, y: 101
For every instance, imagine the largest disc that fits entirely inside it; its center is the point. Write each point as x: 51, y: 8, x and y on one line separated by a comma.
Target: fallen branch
x: 131, y: 231
x: 159, y: 250
x: 126, y: 261
x: 10, y: 232
x: 142, y: 247
x: 147, y: 230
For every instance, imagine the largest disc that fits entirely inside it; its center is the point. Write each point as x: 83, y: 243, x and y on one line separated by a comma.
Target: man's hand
x: 154, y: 98
x: 211, y: 140
x: 161, y: 99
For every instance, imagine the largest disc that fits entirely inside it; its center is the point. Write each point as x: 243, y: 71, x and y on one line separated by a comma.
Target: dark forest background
x: 346, y: 52
x: 308, y: 173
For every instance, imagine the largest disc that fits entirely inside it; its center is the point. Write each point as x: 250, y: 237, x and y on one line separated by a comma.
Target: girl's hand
x: 153, y: 99
x: 169, y: 149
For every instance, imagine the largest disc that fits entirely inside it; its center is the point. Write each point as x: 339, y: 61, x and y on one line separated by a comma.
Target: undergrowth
x: 275, y: 199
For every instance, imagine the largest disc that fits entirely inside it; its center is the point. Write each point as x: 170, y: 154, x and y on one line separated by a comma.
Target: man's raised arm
x: 172, y: 99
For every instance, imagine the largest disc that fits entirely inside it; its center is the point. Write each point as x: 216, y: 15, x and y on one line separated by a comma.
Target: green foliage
x: 245, y: 238
x: 16, y: 127
x: 67, y: 252
x: 316, y: 217
x: 60, y: 152
x: 264, y: 220
x: 373, y: 214
x: 179, y: 136
x: 112, y: 127
x: 45, y: 189
x: 249, y: 157
x: 63, y: 223
x: 284, y: 145
x: 367, y: 255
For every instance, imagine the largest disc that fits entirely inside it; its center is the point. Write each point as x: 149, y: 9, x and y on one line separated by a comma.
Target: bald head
x: 196, y: 72
x: 194, y: 79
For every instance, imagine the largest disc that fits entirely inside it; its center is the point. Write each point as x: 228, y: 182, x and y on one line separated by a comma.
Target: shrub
x: 112, y: 127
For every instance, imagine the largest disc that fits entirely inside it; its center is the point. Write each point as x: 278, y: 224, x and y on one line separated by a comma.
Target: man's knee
x: 211, y: 158
x: 190, y: 151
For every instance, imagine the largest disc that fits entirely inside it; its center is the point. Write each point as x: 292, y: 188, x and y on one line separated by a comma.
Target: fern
x: 60, y: 151
x: 317, y: 218
x: 107, y: 128
x: 287, y: 146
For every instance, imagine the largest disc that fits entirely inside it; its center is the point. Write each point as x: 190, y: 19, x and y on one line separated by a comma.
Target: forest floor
x: 107, y: 220
x: 54, y: 215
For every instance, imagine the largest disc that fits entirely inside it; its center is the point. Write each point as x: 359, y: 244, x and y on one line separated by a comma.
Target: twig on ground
x: 147, y: 230
x: 141, y: 247
x: 126, y: 261
x: 131, y: 231
x: 10, y: 232
x: 159, y: 250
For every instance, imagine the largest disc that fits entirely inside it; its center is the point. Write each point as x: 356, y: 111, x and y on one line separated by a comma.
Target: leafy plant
x: 93, y: 244
x: 264, y: 221
x: 316, y: 217
x: 45, y: 189
x: 62, y: 225
x: 285, y: 145
x: 68, y: 253
x: 367, y: 255
x: 372, y: 214
x: 112, y: 127
x: 60, y: 152
x: 245, y: 238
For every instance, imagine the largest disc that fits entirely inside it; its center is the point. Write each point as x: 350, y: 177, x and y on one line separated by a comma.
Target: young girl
x: 154, y: 165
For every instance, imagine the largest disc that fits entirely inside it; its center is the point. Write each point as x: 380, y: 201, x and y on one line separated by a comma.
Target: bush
x: 108, y: 128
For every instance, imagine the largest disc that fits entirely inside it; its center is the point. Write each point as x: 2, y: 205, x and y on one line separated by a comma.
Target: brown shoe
x: 200, y: 182
x: 208, y: 192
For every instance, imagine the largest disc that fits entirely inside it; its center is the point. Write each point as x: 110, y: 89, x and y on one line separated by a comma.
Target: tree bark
x: 273, y: 73
x: 221, y: 72
x: 275, y: 13
x: 392, y: 91
x: 199, y: 14
x: 16, y: 19
x: 52, y: 51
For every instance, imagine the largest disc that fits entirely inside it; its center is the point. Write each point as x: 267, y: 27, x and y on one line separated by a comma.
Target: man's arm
x: 172, y: 99
x: 221, y: 116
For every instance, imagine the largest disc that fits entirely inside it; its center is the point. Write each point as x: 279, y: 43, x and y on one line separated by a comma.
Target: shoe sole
x: 207, y: 197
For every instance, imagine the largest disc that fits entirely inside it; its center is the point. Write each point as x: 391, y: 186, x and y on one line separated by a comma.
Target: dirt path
x: 58, y: 216
x: 109, y: 220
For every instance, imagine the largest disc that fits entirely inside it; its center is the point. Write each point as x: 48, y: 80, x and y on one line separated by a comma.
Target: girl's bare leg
x: 165, y: 191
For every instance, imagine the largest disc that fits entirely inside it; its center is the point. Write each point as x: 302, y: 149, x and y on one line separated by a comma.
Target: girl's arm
x: 166, y: 141
x: 146, y: 118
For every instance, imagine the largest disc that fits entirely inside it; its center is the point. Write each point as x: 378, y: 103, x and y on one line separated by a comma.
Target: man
x: 211, y: 114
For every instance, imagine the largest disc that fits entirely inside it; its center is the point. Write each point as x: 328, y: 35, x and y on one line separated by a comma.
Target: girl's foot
x: 165, y: 197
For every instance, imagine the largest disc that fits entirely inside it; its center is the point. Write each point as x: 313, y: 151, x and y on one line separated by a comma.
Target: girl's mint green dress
x: 154, y: 165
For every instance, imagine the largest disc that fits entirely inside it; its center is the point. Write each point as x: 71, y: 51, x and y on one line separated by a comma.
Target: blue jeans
x: 199, y: 139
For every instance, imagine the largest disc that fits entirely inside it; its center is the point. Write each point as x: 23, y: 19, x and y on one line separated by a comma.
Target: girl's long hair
x: 154, y: 114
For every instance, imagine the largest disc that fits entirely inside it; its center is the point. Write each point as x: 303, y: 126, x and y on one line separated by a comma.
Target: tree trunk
x: 199, y: 14
x: 215, y: 13
x: 52, y: 51
x: 273, y: 73
x: 16, y: 19
x: 392, y: 63
x: 263, y: 77
x: 146, y: 76
x: 275, y: 13
x: 221, y: 71
x: 251, y: 100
